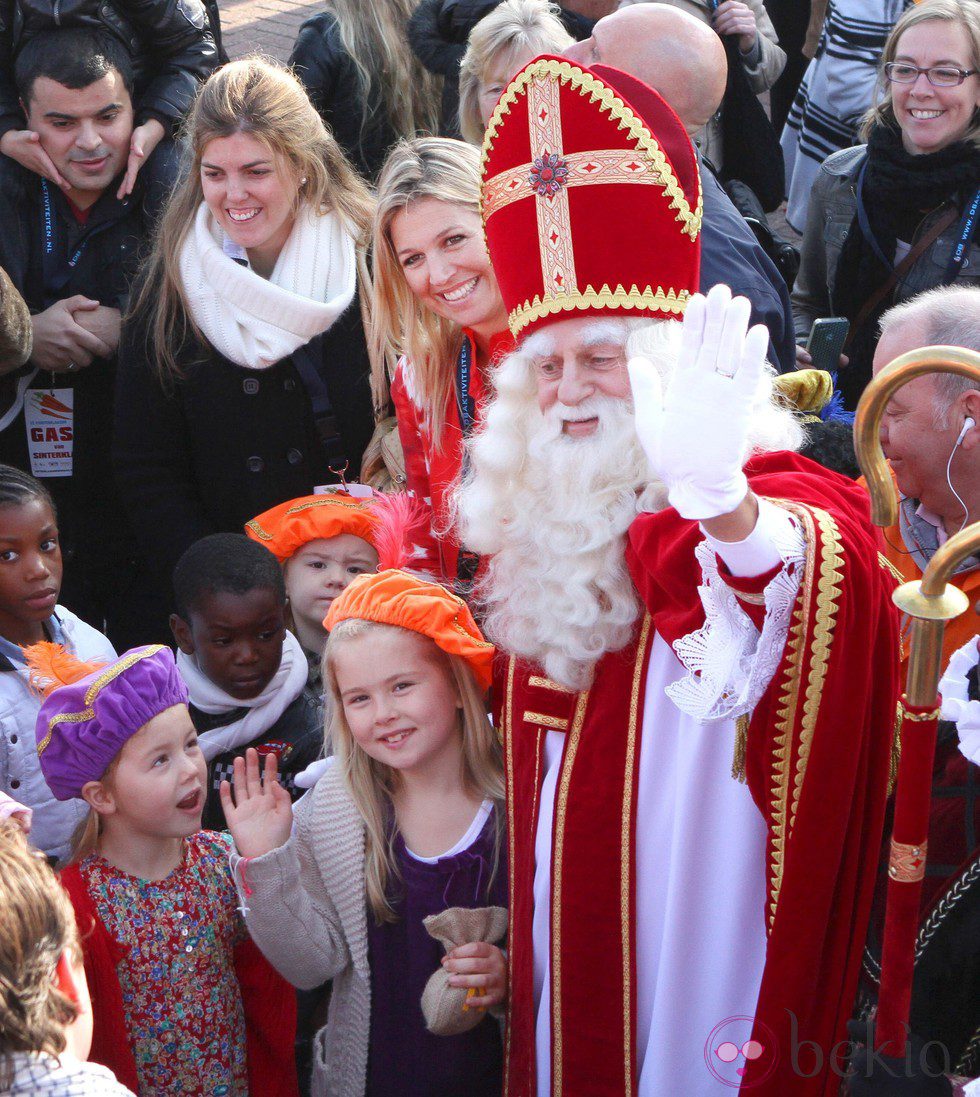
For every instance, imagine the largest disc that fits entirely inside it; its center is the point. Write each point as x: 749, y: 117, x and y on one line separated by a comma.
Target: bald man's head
x: 676, y: 54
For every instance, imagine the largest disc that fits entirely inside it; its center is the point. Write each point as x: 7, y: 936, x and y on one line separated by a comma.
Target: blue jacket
x: 730, y: 254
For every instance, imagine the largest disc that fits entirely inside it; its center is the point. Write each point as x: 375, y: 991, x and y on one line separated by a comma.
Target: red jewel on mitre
x: 591, y: 197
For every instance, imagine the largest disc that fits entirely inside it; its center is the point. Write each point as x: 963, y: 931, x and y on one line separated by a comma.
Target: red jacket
x: 432, y: 471
x: 268, y: 1000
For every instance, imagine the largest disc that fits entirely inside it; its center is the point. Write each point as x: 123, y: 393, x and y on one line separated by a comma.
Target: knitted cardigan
x: 306, y: 910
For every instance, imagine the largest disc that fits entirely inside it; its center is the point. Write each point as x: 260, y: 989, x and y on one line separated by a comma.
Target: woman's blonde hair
x: 374, y: 35
x: 371, y: 783
x: 964, y: 12
x: 514, y: 27
x: 428, y: 167
x: 37, y: 928
x: 266, y: 101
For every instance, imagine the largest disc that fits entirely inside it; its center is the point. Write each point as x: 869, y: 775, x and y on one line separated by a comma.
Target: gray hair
x: 950, y: 317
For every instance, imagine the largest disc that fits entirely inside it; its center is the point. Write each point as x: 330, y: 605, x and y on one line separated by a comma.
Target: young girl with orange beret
x: 406, y: 822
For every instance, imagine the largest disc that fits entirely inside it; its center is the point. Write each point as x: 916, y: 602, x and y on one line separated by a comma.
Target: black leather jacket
x: 171, y: 43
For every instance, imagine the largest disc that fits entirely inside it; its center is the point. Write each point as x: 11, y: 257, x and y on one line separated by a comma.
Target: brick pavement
x: 264, y: 26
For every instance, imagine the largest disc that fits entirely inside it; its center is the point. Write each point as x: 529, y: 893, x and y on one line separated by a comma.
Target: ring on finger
x: 71, y: 366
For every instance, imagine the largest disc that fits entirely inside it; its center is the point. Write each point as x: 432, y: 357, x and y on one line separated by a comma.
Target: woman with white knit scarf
x: 244, y: 376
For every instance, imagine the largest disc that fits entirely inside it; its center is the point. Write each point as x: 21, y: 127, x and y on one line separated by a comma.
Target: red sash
x: 599, y: 768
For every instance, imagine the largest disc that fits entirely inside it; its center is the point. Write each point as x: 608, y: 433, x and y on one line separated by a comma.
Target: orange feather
x: 52, y: 665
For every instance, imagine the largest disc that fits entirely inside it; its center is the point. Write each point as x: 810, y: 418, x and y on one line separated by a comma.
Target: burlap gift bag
x: 443, y: 1006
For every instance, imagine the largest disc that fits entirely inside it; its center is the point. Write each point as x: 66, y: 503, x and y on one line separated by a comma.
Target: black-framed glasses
x: 940, y: 76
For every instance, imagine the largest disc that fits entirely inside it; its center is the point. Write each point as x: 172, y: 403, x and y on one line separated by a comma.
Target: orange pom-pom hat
x: 396, y: 597
x: 285, y: 529
x: 591, y: 197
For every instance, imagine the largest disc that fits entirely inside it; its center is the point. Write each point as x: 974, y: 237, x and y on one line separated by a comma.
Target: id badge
x: 49, y: 416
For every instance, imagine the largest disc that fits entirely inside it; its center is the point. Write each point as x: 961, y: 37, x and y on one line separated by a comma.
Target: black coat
x: 171, y: 43
x: 361, y: 127
x: 731, y: 254
x: 226, y: 442
x: 98, y: 548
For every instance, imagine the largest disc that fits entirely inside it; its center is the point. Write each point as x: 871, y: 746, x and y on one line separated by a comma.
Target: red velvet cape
x: 268, y: 1000
x: 817, y: 762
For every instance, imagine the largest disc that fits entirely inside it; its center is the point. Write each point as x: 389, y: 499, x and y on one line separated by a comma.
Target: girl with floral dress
x: 174, y: 978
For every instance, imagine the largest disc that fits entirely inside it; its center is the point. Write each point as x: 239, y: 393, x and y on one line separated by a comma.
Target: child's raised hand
x: 483, y: 968
x: 260, y: 816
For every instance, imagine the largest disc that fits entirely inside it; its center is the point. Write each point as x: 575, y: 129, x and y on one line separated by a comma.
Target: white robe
x: 700, y: 874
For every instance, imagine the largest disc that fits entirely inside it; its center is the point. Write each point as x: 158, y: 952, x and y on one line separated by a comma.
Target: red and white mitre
x: 591, y: 197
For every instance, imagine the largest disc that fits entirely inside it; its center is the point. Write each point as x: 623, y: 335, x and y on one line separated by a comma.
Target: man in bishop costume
x: 700, y: 689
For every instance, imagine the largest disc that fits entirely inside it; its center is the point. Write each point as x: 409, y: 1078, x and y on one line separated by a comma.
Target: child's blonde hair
x: 370, y: 782
x: 85, y: 836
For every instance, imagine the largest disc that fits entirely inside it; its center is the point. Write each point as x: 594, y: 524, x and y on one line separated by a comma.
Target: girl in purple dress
x: 406, y: 822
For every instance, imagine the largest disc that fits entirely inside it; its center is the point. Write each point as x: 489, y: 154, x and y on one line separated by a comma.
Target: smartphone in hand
x: 826, y: 341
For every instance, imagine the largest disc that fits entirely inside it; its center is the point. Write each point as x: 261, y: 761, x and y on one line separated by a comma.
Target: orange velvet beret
x: 398, y: 598
x: 285, y: 529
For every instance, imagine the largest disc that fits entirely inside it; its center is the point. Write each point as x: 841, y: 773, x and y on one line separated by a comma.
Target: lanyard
x: 56, y: 271
x: 958, y: 257
x: 467, y: 562
x: 967, y: 226
x: 463, y: 398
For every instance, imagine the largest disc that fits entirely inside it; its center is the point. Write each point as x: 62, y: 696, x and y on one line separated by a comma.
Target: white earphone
x: 968, y: 425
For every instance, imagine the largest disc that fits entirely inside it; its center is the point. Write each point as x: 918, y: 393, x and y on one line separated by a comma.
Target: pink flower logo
x: 732, y: 1046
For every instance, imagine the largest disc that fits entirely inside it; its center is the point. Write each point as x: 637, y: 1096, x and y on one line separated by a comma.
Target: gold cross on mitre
x: 550, y: 172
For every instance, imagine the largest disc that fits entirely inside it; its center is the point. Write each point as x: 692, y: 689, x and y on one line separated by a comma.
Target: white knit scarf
x: 263, y: 711
x: 254, y: 321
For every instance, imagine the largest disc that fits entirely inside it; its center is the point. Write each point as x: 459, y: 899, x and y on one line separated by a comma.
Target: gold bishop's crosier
x: 930, y: 603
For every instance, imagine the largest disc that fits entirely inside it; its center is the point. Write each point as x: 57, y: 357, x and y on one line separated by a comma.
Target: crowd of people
x: 444, y: 644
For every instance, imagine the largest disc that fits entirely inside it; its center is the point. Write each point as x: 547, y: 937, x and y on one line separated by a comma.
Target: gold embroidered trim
x: 94, y: 690
x: 547, y: 683
x: 785, y: 719
x: 885, y: 563
x: 618, y: 111
x: 907, y: 863
x: 507, y: 730
x: 546, y: 721
x: 741, y: 747
x: 917, y: 717
x: 264, y: 535
x: 828, y: 594
x: 896, y: 752
x: 259, y: 532
x: 590, y: 298
x: 625, y: 854
x: 585, y: 169
x: 561, y: 809
x: 747, y: 596
x: 828, y: 574
x: 554, y: 216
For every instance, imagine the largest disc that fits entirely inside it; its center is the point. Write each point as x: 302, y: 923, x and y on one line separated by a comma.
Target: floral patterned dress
x: 180, y: 994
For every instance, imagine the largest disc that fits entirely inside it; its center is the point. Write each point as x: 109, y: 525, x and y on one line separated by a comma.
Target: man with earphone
x: 931, y: 437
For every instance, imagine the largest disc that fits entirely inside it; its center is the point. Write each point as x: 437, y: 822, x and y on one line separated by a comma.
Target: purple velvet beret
x: 83, y: 726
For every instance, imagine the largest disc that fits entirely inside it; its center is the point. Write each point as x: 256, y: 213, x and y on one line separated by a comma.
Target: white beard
x: 551, y: 511
x: 557, y: 589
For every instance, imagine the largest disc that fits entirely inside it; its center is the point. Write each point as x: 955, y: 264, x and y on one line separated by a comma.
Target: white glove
x: 696, y: 435
x: 957, y: 705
